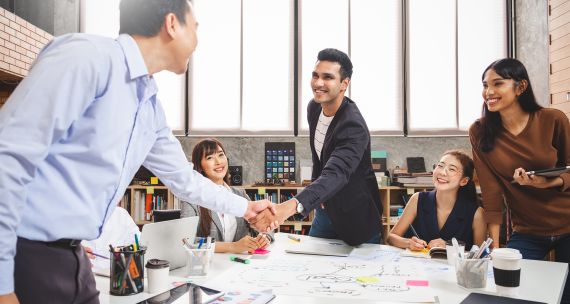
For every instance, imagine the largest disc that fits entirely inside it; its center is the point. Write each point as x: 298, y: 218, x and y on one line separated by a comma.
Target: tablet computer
x: 182, y: 295
x: 553, y: 172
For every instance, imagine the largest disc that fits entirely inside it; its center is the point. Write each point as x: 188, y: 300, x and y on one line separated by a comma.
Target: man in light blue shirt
x: 72, y: 136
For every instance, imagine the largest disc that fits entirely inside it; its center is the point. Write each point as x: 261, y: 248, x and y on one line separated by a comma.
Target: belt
x: 65, y: 243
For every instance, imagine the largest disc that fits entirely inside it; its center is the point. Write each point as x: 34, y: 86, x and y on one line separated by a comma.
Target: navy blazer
x: 343, y: 179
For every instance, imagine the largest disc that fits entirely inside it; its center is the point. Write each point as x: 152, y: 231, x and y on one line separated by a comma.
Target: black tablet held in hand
x: 553, y: 172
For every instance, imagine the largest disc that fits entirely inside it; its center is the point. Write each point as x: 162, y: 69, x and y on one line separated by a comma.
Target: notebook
x: 435, y: 252
x: 320, y: 247
x: 164, y: 240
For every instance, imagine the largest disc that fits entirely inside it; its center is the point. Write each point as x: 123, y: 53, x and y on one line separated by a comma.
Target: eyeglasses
x: 450, y: 169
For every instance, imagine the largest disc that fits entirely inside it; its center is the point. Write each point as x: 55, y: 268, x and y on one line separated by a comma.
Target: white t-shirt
x: 321, y: 132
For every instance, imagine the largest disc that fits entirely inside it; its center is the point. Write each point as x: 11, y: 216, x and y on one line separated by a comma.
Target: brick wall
x: 20, y: 43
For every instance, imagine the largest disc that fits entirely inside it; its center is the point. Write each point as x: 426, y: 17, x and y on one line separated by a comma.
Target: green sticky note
x: 261, y: 191
x: 379, y: 154
x: 368, y: 280
x: 150, y: 190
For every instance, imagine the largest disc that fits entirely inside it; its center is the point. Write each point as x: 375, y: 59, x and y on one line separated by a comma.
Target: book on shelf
x: 428, y: 253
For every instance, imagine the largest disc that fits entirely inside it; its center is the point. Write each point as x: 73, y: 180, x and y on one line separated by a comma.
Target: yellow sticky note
x: 368, y: 280
x: 149, y: 190
x: 154, y: 180
x: 261, y: 191
x: 410, y: 191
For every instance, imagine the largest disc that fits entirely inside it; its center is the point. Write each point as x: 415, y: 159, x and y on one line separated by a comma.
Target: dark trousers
x: 534, y: 247
x: 46, y: 273
x: 322, y: 227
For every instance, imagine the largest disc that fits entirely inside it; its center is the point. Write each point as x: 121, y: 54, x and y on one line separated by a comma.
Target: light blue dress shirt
x: 72, y: 136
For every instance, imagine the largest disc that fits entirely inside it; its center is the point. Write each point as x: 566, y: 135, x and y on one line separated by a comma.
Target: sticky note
x: 368, y: 279
x: 154, y: 180
x: 149, y: 190
x: 410, y: 191
x: 261, y: 251
x: 261, y: 191
x: 417, y: 282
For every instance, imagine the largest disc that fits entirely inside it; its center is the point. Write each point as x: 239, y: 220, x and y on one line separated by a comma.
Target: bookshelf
x: 295, y: 224
x: 135, y: 201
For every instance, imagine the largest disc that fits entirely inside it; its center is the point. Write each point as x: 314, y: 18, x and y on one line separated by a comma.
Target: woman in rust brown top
x: 515, y: 135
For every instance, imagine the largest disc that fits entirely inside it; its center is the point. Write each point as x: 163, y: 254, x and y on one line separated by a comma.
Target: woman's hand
x: 262, y: 240
x: 520, y: 176
x: 436, y: 243
x: 247, y: 243
x: 89, y: 252
x: 417, y: 244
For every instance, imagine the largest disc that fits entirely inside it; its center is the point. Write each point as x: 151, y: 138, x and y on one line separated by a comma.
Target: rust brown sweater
x: 544, y: 143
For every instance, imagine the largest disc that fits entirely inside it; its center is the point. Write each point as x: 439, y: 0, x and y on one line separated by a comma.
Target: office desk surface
x: 540, y: 281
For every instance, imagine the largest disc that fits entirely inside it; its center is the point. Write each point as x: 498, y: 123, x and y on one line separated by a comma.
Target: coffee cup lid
x: 506, y: 254
x: 157, y: 264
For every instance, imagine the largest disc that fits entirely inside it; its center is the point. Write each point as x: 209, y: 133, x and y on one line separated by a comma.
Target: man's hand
x: 9, y: 299
x: 264, y: 221
x: 256, y: 207
x: 285, y: 210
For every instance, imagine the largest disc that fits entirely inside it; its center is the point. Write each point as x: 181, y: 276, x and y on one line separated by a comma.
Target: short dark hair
x: 339, y: 57
x: 146, y: 17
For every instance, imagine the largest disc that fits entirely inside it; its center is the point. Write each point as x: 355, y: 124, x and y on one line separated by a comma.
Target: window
x: 241, y: 79
x: 450, y: 43
x: 370, y: 32
x: 101, y: 17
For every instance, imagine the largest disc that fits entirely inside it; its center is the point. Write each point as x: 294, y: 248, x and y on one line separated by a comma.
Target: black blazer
x: 343, y: 179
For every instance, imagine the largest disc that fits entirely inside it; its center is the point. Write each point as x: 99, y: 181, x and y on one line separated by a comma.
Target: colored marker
x: 240, y: 260
x: 294, y: 238
x: 201, y: 243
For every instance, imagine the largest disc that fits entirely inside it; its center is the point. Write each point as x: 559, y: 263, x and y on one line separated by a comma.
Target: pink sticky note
x: 261, y: 251
x: 417, y: 283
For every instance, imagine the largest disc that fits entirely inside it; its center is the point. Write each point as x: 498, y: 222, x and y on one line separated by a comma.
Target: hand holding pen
x: 415, y: 242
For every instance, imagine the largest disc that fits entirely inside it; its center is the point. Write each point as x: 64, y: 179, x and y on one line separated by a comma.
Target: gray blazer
x: 242, y: 229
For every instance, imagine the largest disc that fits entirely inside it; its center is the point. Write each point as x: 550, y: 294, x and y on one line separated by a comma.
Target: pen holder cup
x: 472, y: 273
x: 127, y: 271
x: 198, y: 260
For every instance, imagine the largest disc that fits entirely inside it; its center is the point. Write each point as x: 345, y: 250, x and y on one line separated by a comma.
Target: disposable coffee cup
x: 157, y: 272
x: 507, y: 271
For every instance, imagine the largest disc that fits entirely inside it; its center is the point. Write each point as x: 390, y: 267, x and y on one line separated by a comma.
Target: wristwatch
x: 300, y: 207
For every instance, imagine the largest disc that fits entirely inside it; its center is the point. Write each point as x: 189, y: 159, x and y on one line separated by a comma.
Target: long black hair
x: 202, y: 149
x: 490, y: 122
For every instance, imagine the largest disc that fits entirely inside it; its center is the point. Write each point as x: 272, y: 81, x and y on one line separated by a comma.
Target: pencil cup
x: 157, y: 275
x: 127, y: 271
x: 471, y: 273
x: 199, y: 259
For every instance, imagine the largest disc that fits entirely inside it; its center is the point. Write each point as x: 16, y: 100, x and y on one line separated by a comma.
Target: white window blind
x: 370, y: 32
x: 241, y: 76
x: 450, y: 43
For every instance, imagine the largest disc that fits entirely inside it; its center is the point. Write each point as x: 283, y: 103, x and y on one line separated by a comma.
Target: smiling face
x: 500, y: 93
x: 448, y: 174
x: 326, y: 83
x: 215, y: 165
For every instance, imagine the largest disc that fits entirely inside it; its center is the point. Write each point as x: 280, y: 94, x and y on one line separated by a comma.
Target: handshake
x: 265, y: 216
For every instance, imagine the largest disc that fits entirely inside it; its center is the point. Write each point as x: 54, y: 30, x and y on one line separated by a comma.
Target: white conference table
x: 540, y: 280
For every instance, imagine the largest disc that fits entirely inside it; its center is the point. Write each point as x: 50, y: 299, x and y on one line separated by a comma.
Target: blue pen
x: 201, y: 243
